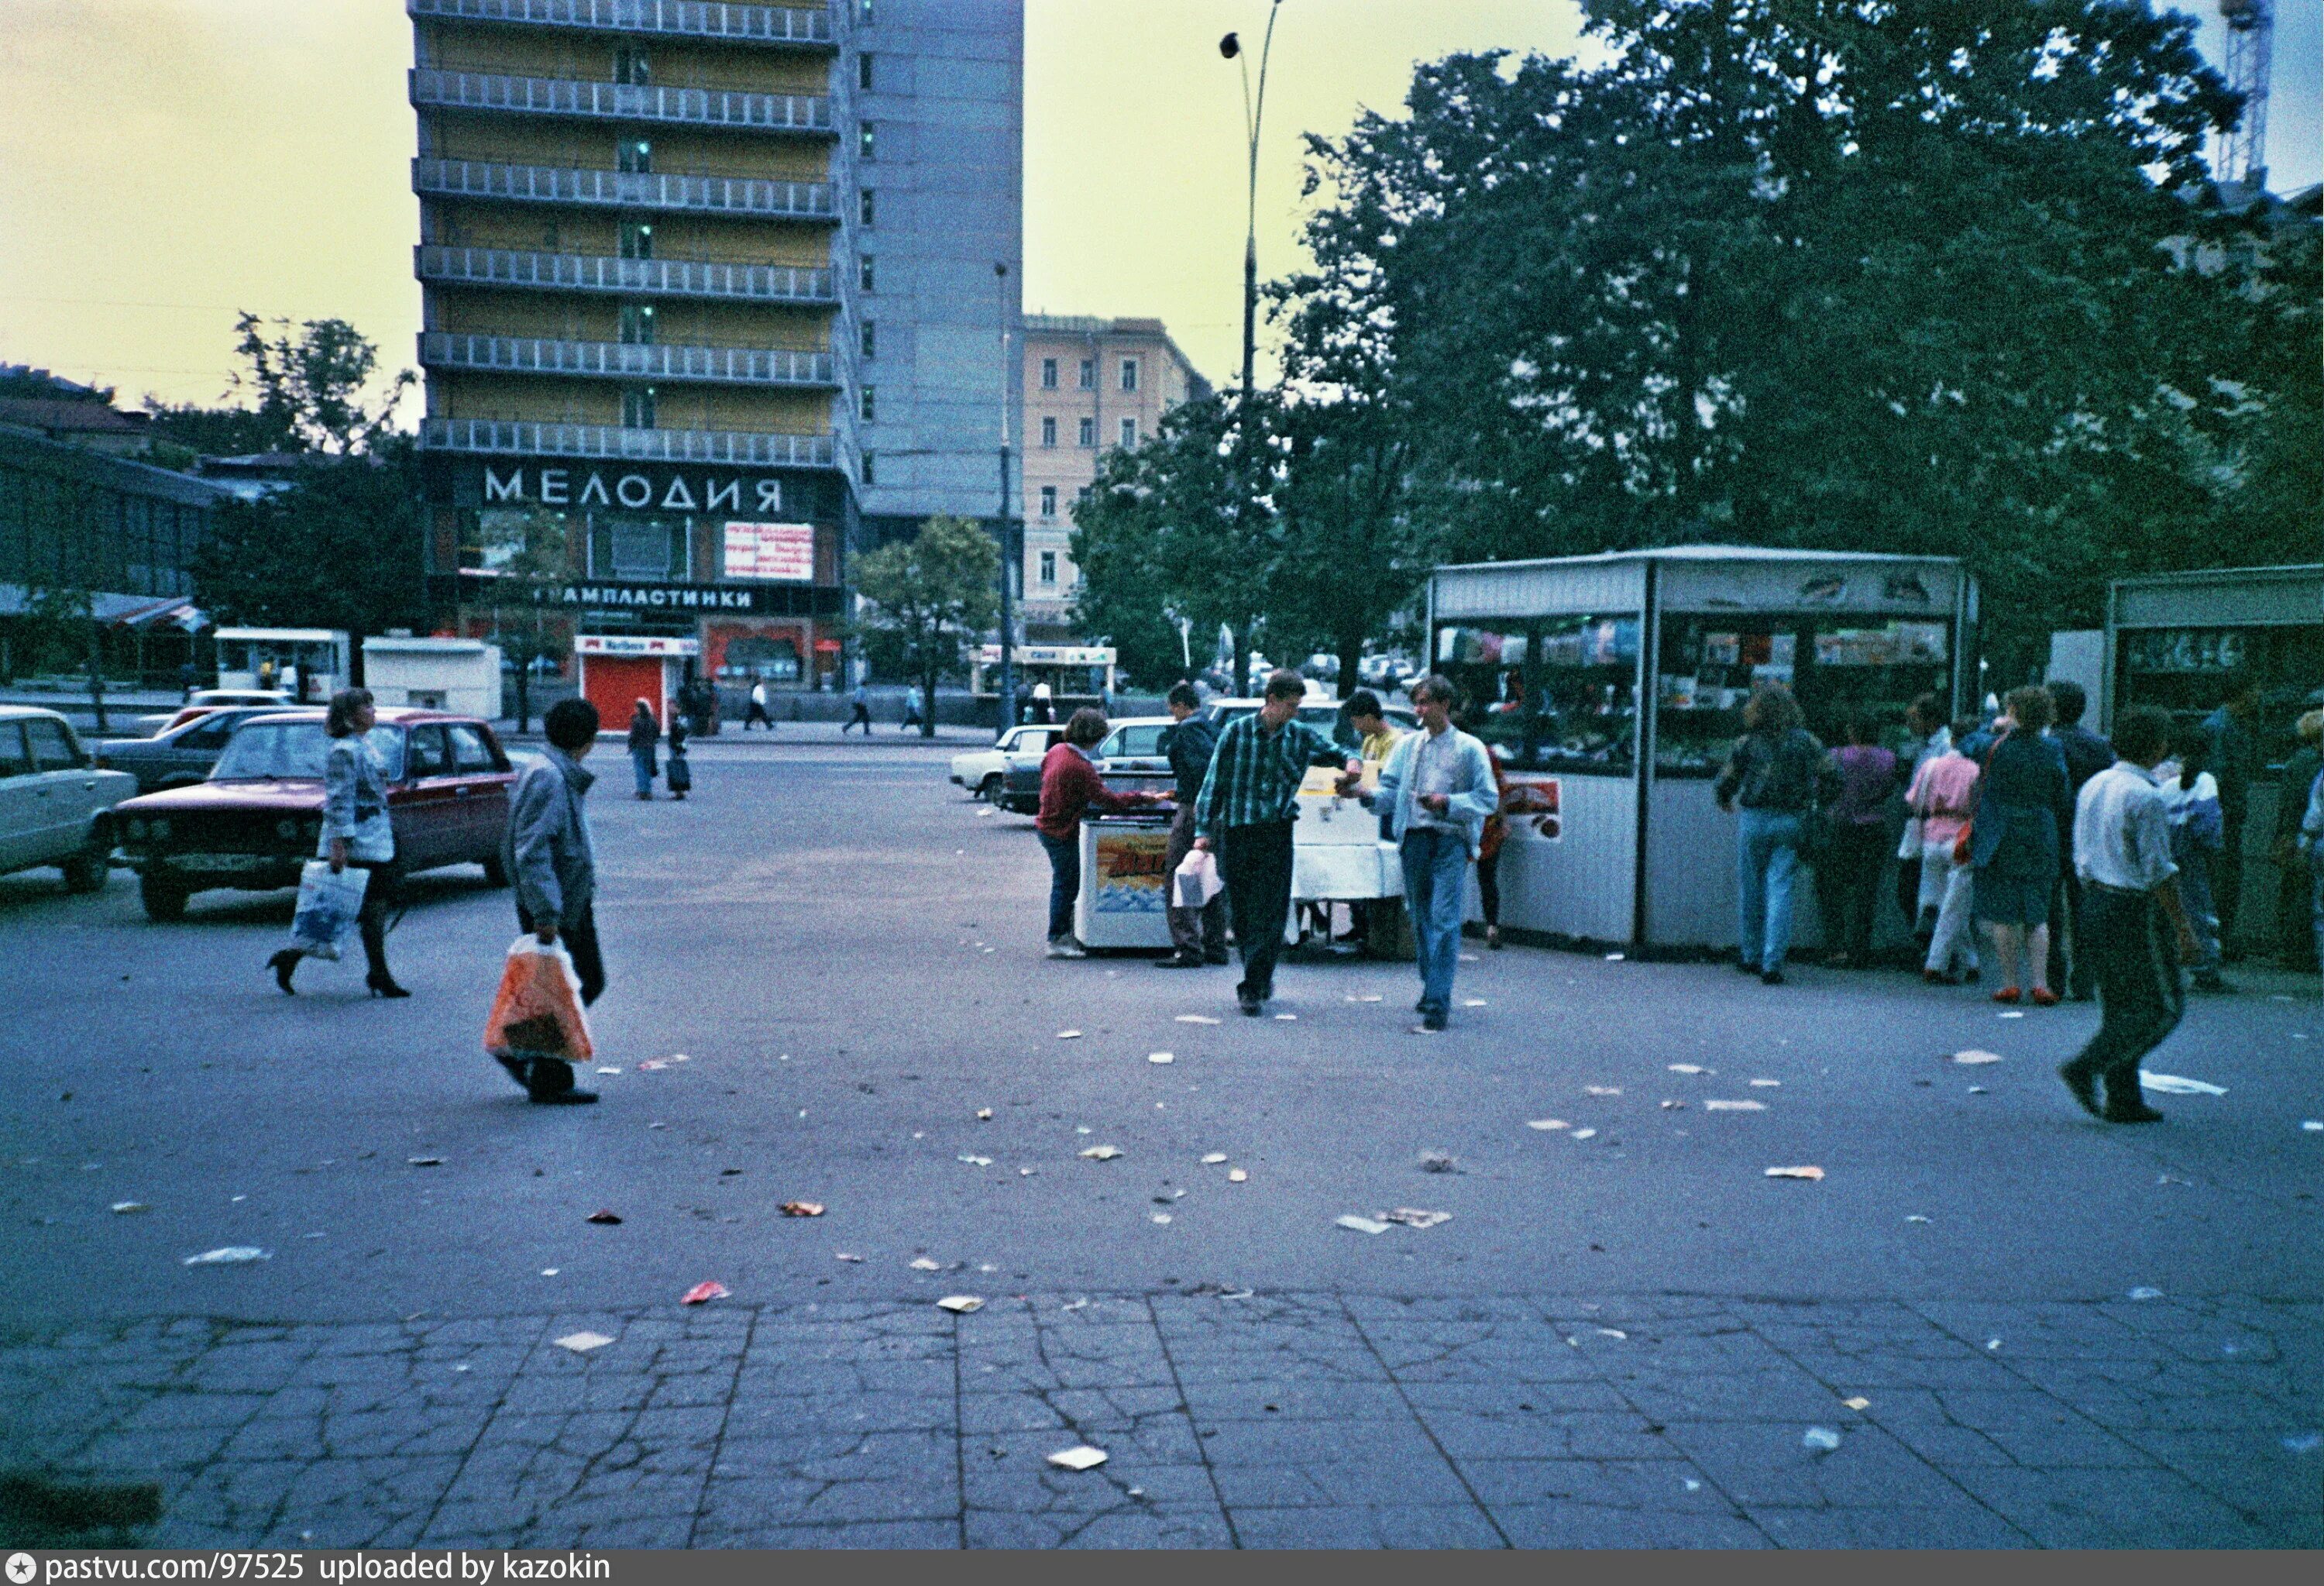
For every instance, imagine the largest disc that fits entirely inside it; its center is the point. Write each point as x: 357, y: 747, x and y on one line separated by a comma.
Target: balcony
x: 749, y: 197
x: 802, y: 26
x: 437, y: 90
x: 613, y: 360
x: 653, y: 277
x: 515, y: 437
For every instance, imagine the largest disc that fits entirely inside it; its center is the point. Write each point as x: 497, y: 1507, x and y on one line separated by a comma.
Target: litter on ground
x: 1373, y: 998
x: 802, y: 1208
x: 1080, y: 1457
x: 1820, y: 1440
x: 581, y: 1343
x: 425, y: 1161
x: 1473, y: 1001
x: 1356, y: 1224
x: 1196, y: 1018
x: 1101, y: 1152
x: 984, y: 1115
x: 2172, y: 1084
x: 1858, y: 1403
x: 976, y: 1161
x: 1612, y: 1332
x: 1069, y: 1035
x: 961, y: 1305
x: 1809, y: 1173
x: 1669, y: 1105
x: 1603, y: 1089
x: 1688, y: 1068
x: 603, y: 1217
x: 1161, y: 1058
x: 1212, y: 1158
x: 1583, y: 1134
x: 229, y: 1255
x: 1767, y: 1085
x: 701, y: 1294
x: 1974, y: 1055
x: 846, y: 1256
x: 1546, y: 1123
x: 2146, y: 1292
x: 1412, y: 1217
x: 123, y: 1208
x: 2311, y: 1126
x: 1236, y: 1176
x: 922, y: 1264
x: 1286, y: 1019
x: 1722, y: 1106
x: 1439, y: 1162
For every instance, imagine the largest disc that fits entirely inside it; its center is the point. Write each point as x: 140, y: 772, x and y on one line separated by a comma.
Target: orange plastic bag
x: 538, y: 1013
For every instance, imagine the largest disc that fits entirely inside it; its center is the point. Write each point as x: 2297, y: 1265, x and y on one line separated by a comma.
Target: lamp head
x: 1230, y: 47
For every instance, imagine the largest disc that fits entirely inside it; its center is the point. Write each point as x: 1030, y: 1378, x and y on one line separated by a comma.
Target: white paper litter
x: 1356, y: 1224
x: 2172, y: 1084
x: 1616, y: 957
x: 1161, y: 1058
x: 1237, y: 1175
x: 1212, y: 1158
x: 1080, y: 1457
x: 1806, y: 1173
x: 1162, y: 1217
x: 229, y: 1255
x: 1583, y: 1134
x: 1196, y: 1018
x: 1473, y: 1001
x: 1546, y: 1123
x: 2311, y: 1125
x: 922, y: 1264
x: 1101, y: 1152
x: 978, y: 1161
x: 581, y: 1343
x: 1688, y: 1068
x: 1603, y: 1089
x: 1820, y: 1440
x: 124, y: 1208
x: 1412, y: 1217
x: 2146, y: 1292
x: 1719, y: 1106
x: 1974, y: 1055
x: 1069, y: 1035
x: 1373, y: 998
x: 961, y: 1305
x: 1767, y: 1085
x: 2014, y: 1014
x: 1286, y: 1019
x: 1612, y: 1332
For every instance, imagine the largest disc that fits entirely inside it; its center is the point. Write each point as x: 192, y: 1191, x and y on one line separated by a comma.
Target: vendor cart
x: 1125, y: 882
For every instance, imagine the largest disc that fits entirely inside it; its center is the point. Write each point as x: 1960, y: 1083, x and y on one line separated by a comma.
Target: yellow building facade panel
x: 595, y: 57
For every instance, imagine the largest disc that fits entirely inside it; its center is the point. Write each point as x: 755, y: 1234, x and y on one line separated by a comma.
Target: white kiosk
x: 308, y: 663
x: 461, y: 674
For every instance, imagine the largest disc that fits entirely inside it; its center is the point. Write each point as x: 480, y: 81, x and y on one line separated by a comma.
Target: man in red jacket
x: 1070, y: 787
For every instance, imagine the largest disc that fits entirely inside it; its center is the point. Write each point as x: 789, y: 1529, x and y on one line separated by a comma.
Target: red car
x: 258, y: 816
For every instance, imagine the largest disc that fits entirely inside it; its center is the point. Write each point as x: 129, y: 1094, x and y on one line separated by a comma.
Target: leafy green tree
x: 308, y: 387
x: 933, y: 595
x: 527, y: 554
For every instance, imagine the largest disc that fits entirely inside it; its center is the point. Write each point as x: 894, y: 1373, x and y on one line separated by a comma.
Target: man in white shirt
x: 2122, y: 852
x: 757, y: 714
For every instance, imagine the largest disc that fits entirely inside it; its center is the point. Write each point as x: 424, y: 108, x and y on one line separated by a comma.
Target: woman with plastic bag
x: 356, y: 835
x: 550, y: 859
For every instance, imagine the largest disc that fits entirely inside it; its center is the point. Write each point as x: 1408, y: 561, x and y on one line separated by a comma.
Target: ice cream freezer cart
x: 1125, y: 882
x: 1611, y: 688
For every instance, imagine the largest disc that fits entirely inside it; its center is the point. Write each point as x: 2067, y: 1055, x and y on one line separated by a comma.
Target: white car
x: 56, y: 807
x: 982, y: 771
x: 206, y: 699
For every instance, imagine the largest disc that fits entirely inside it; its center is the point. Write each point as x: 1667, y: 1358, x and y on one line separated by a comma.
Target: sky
x: 170, y: 161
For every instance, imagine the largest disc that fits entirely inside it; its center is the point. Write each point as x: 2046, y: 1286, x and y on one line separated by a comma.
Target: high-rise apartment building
x: 714, y: 283
x: 1090, y: 384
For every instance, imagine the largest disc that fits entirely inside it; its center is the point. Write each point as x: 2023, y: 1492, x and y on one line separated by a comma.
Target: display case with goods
x: 1839, y: 671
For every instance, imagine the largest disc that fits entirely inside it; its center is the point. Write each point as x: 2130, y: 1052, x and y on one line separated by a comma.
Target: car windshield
x: 294, y: 750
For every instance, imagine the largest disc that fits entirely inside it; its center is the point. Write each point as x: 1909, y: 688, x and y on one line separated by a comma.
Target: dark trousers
x: 1908, y: 893
x: 2070, y: 963
x: 862, y: 718
x: 1064, y: 880
x: 1847, y: 887
x: 370, y: 922
x: 757, y: 714
x: 1256, y: 863
x: 2227, y: 883
x: 1488, y: 887
x: 548, y: 1076
x: 1195, y: 933
x: 2140, y: 996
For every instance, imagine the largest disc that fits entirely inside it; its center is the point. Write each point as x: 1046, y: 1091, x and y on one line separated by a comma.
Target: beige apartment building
x: 1090, y: 384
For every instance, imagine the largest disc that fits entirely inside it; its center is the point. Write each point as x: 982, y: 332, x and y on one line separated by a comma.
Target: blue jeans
x: 1766, y: 861
x: 1435, y: 893
x: 1064, y: 880
x: 644, y: 766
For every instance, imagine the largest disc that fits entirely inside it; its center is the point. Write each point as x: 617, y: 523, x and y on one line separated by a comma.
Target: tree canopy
x: 931, y: 595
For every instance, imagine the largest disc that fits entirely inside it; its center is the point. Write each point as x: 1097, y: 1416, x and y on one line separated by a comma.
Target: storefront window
x: 650, y: 549
x: 2188, y: 672
x: 1557, y: 695
x: 1838, y: 669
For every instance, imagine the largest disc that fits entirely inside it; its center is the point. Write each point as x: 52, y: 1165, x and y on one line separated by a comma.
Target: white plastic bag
x: 328, y: 905
x: 1196, y: 880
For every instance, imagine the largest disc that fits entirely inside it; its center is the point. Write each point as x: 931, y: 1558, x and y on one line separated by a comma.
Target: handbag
x: 1967, y: 841
x: 329, y: 902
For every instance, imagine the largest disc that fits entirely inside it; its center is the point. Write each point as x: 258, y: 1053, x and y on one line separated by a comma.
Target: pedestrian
x: 356, y: 831
x: 645, y: 733
x: 2122, y: 852
x: 1249, y: 802
x: 1071, y: 787
x: 2236, y: 761
x: 1924, y: 721
x: 862, y: 700
x: 550, y: 859
x: 1439, y: 783
x: 680, y: 774
x: 2015, y: 840
x: 187, y: 677
x: 703, y: 715
x: 757, y: 716
x: 1376, y: 739
x: 2295, y: 938
x: 912, y: 711
x: 1045, y: 708
x: 1943, y: 794
x: 1197, y: 935
x: 1376, y: 736
x: 1777, y: 771
x: 1848, y: 876
x: 1495, y: 835
x: 2311, y: 845
x: 2190, y: 795
x: 2086, y: 754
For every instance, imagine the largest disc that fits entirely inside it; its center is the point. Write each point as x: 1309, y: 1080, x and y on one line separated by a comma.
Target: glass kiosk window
x: 2188, y: 670
x: 1837, y: 667
x: 1552, y: 694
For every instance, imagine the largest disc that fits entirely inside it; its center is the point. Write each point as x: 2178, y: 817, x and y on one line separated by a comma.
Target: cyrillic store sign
x: 632, y: 490
x: 599, y: 594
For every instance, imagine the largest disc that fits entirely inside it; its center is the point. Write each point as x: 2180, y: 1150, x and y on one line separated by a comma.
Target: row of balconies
x: 750, y: 197
x: 434, y: 88
x: 804, y: 26
x: 519, y: 438
x: 668, y: 277
x: 616, y: 360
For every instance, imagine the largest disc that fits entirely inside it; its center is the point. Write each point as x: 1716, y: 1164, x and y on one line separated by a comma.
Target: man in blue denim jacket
x: 1439, y: 788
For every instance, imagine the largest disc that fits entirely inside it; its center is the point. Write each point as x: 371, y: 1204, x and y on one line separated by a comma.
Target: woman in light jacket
x: 357, y: 831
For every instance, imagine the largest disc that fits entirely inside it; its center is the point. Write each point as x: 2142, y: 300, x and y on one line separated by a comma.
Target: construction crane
x: 2239, y: 156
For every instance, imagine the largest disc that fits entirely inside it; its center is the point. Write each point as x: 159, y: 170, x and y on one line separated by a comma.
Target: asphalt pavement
x: 827, y: 963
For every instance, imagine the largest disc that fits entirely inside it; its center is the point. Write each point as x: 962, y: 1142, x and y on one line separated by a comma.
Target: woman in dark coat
x: 2023, y: 811
x: 645, y: 735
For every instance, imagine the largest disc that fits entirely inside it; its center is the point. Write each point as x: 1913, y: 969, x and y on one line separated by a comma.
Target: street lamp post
x: 1008, y: 703
x: 1254, y: 109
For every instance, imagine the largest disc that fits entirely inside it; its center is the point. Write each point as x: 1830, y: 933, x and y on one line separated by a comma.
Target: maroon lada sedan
x: 258, y: 816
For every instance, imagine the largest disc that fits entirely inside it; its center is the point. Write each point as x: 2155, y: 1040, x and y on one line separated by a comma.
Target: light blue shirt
x: 1472, y: 796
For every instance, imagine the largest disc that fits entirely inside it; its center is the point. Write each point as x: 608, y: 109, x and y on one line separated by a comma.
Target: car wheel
x: 496, y: 871
x: 164, y: 899
x: 85, y: 871
x: 989, y: 789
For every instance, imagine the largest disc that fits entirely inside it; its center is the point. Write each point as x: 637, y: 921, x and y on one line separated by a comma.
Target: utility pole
x: 1007, y: 705
x: 1254, y: 109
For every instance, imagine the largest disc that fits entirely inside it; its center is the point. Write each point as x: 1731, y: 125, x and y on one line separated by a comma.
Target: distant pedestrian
x: 1924, y: 724
x: 1848, y: 877
x: 2015, y: 836
x: 1942, y: 799
x: 1044, y: 706
x: 1071, y: 787
x: 357, y: 831
x: 2295, y: 937
x: 1489, y: 845
x: 2311, y: 845
x: 1439, y: 783
x: 2086, y: 754
x: 912, y: 710
x: 1197, y: 935
x: 2136, y: 930
x: 645, y: 733
x: 2190, y: 795
x: 1245, y: 811
x: 1776, y: 772
x: 757, y: 714
x: 2235, y: 760
x: 680, y: 774
x: 549, y: 856
x: 862, y: 700
x: 187, y: 678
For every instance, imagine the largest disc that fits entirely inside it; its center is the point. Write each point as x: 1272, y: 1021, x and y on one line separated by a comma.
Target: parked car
x: 1323, y: 716
x: 203, y: 700
x: 258, y: 817
x: 56, y: 807
x: 178, y: 755
x: 981, y: 771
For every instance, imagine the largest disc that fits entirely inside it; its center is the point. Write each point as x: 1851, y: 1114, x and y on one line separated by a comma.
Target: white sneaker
x: 1066, y: 947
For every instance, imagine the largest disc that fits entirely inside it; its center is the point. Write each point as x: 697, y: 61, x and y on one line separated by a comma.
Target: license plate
x: 225, y: 863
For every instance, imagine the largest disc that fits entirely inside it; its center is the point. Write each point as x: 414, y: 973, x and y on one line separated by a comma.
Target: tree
x: 307, y: 390
x: 527, y: 554
x: 933, y: 593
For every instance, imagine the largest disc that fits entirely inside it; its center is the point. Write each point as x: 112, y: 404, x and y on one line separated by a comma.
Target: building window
x: 871, y: 341
x: 863, y: 72
x: 1089, y: 432
x: 632, y: 66
x: 1129, y: 374
x: 634, y: 156
x: 1130, y: 432
x: 864, y: 209
x: 637, y: 407
x: 637, y: 240
x: 866, y: 145
x: 637, y: 324
x: 1089, y: 374
x: 1048, y: 501
x: 1049, y: 374
x: 863, y: 13
x: 869, y: 405
x: 865, y: 277
x: 1049, y: 432
x: 1048, y: 567
x: 870, y: 468
x: 1081, y: 495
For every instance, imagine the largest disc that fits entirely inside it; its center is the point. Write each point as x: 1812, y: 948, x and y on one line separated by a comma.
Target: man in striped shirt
x: 1245, y: 812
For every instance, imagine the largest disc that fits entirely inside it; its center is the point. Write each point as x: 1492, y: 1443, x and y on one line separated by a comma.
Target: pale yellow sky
x: 169, y: 162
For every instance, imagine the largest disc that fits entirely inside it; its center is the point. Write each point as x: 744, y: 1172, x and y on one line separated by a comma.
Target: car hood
x: 203, y: 796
